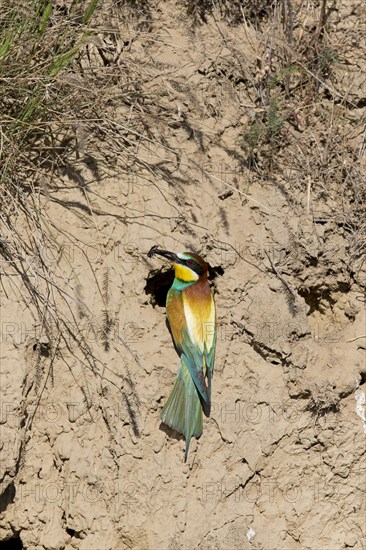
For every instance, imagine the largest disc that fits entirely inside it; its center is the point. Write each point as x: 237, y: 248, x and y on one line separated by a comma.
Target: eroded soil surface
x: 85, y: 462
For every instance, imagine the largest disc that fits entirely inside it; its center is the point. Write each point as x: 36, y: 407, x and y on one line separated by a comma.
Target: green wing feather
x: 200, y: 365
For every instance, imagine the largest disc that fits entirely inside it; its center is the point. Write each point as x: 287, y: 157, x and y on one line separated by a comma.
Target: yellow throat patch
x: 185, y: 274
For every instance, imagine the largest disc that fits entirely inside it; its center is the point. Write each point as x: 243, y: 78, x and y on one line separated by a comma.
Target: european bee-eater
x: 191, y: 315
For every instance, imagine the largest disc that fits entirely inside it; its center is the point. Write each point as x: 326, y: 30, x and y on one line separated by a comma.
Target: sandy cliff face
x: 85, y: 462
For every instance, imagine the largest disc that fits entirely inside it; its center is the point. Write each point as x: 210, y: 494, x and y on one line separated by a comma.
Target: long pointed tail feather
x: 183, y: 410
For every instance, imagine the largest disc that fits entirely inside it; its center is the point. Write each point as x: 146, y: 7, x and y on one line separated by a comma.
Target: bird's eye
x: 191, y: 263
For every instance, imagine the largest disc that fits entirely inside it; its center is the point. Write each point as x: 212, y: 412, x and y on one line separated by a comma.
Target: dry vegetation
x: 50, y: 107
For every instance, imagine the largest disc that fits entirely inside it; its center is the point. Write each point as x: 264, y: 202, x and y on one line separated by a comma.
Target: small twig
x: 290, y: 293
x: 275, y: 270
x: 322, y: 20
x: 326, y: 86
x: 356, y: 338
x: 289, y: 21
x: 309, y: 194
x: 235, y: 189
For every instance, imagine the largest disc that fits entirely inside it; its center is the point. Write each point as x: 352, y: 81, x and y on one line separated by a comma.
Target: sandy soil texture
x: 228, y: 147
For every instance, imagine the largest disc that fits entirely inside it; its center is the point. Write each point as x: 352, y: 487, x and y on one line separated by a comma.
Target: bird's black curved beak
x: 165, y: 253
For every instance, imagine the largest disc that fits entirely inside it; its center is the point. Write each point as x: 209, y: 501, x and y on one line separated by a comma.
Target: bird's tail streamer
x: 183, y: 410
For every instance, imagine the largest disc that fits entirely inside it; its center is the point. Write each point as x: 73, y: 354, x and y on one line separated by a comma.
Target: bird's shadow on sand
x: 170, y: 432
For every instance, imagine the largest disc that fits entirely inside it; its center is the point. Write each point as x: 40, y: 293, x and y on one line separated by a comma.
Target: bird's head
x: 188, y: 267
